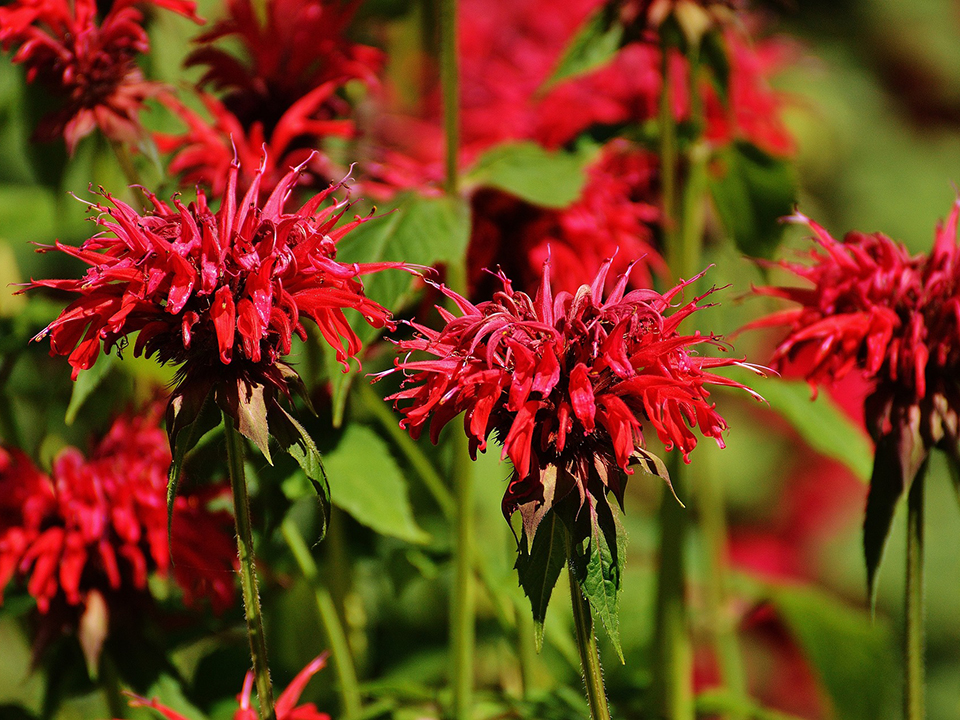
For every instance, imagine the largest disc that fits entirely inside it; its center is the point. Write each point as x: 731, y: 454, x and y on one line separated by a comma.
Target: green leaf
x: 552, y: 179
x: 366, y: 482
x: 594, y: 45
x: 821, y: 423
x: 190, y: 415
x: 752, y: 191
x: 421, y: 231
x: 899, y: 462
x: 298, y: 444
x: 724, y: 703
x: 87, y: 382
x: 713, y: 50
x: 600, y: 569
x: 540, y: 567
x: 852, y: 654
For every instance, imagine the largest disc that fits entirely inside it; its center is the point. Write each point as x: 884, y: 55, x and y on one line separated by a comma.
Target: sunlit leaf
x: 547, y: 178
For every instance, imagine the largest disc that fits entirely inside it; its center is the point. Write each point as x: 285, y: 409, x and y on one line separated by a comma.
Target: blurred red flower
x: 283, y: 93
x: 99, y: 523
x: 219, y: 293
x: 566, y: 382
x: 286, y: 707
x: 614, y: 218
x: 90, y: 64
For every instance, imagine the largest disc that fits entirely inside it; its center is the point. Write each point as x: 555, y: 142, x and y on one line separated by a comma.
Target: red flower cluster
x: 565, y: 381
x: 873, y: 307
x: 614, y: 218
x: 286, y: 707
x: 220, y: 292
x: 284, y: 98
x: 891, y: 315
x: 89, y: 63
x: 99, y: 523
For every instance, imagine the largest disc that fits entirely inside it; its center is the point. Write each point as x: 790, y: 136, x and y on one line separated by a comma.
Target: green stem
x: 248, y: 570
x: 587, y: 647
x: 332, y: 626
x: 527, y: 654
x: 110, y: 682
x: 713, y: 529
x: 668, y: 161
x: 673, y: 660
x: 463, y: 610
x: 450, y: 83
x: 913, y: 691
x: 8, y: 421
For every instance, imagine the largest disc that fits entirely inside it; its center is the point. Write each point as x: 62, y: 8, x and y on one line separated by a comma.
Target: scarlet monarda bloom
x: 566, y: 382
x: 219, y: 293
x: 876, y: 309
x: 286, y: 708
x: 98, y: 524
x: 89, y: 63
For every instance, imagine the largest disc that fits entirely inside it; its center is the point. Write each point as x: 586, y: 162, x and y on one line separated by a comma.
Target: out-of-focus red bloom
x: 302, y: 46
x: 99, y: 523
x: 614, y: 218
x: 566, y: 382
x: 284, y: 95
x: 89, y: 63
x: 508, y: 53
x: 286, y: 707
x: 220, y: 293
x: 873, y: 307
x: 204, y: 154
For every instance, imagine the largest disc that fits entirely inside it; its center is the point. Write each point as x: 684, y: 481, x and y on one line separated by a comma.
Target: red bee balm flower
x: 893, y: 316
x: 221, y: 293
x: 286, y: 709
x: 92, y: 66
x: 566, y: 382
x: 99, y: 523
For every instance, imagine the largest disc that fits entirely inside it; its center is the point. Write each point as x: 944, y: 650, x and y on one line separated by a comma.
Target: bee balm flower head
x: 566, y: 382
x: 221, y: 293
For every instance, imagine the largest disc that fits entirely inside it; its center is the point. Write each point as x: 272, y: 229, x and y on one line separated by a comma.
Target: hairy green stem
x: 330, y: 619
x: 913, y: 688
x: 450, y: 84
x: 248, y: 569
x: 587, y: 647
x: 673, y: 659
x: 463, y: 610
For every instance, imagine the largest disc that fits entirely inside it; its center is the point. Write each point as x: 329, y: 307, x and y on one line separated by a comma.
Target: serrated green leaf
x: 420, y: 231
x: 539, y: 568
x: 87, y: 382
x: 851, y: 654
x: 189, y: 417
x: 900, y: 461
x: 594, y: 45
x: 552, y: 179
x: 298, y: 444
x: 599, y: 570
x: 366, y: 482
x: 752, y: 191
